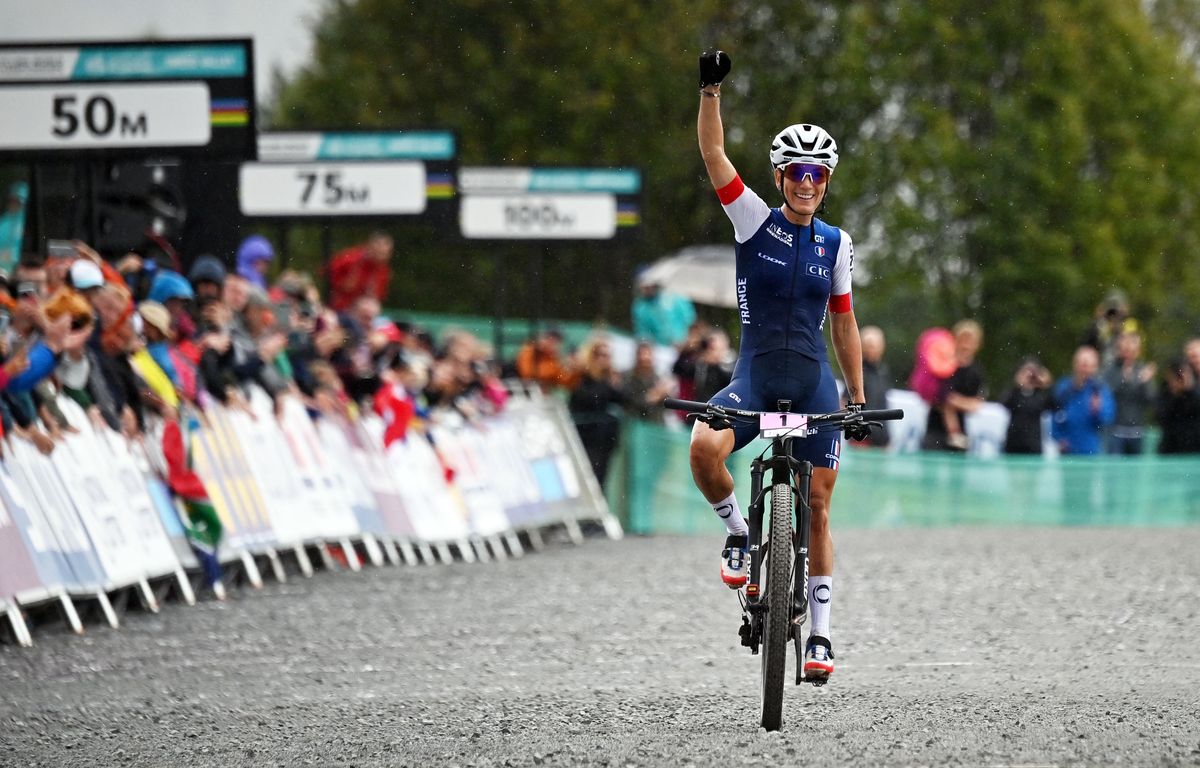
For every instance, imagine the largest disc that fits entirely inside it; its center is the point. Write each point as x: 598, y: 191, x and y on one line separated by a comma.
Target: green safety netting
x: 651, y: 490
x: 516, y: 330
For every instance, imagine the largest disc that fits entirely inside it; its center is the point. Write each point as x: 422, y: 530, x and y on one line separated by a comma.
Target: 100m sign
x: 576, y: 216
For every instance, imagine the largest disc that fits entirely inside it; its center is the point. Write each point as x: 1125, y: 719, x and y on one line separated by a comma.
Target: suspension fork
x: 757, y: 470
x: 804, y: 474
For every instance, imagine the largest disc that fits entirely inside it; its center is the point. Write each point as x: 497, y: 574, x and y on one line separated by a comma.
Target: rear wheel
x: 777, y: 628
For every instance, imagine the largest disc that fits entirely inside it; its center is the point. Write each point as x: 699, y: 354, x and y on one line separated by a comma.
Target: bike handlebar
x: 692, y: 406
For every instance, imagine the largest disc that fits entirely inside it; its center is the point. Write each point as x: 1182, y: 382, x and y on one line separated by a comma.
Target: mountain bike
x: 775, y: 599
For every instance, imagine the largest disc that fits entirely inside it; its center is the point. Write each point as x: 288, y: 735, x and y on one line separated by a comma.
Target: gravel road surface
x: 991, y: 647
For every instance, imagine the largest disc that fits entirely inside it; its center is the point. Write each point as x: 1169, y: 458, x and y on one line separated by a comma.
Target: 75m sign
x: 332, y: 189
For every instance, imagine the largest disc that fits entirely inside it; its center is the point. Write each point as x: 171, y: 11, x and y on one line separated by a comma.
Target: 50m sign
x: 104, y: 116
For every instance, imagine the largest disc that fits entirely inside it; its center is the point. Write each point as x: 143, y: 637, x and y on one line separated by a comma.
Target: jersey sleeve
x: 744, y: 208
x: 843, y: 269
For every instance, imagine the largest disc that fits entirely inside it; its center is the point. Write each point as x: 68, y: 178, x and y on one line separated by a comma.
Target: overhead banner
x: 128, y: 98
x: 348, y: 174
x: 548, y: 203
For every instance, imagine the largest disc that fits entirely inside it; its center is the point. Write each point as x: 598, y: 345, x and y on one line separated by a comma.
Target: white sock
x: 727, y: 510
x: 820, y: 592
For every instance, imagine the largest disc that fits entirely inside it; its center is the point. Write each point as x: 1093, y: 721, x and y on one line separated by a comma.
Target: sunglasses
x: 797, y: 171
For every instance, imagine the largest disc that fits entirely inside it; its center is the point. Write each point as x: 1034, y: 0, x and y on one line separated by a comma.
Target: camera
x: 60, y: 249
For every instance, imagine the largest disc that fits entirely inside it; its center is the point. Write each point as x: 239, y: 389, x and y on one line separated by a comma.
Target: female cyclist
x: 791, y: 268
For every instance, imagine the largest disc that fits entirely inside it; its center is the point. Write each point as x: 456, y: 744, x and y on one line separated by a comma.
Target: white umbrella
x: 703, y: 273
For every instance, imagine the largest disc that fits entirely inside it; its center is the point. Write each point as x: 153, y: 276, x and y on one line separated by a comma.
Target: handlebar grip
x: 691, y: 406
x: 890, y: 414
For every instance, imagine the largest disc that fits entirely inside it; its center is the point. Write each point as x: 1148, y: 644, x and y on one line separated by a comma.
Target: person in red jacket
x: 361, y: 270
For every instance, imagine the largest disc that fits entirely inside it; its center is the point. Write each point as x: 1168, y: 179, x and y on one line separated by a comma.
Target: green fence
x: 650, y: 488
x: 516, y: 329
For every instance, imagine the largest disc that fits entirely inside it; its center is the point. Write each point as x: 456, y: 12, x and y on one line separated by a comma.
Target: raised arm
x: 714, y: 65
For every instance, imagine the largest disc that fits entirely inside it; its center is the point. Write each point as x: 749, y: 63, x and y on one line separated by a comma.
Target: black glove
x: 714, y: 65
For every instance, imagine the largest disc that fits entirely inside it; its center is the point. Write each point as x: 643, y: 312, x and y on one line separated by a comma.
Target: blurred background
x: 1011, y: 164
x: 1028, y: 168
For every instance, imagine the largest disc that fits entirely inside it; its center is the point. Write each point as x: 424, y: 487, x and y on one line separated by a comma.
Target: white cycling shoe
x: 735, y: 563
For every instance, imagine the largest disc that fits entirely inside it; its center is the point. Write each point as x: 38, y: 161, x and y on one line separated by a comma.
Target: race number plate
x: 777, y: 424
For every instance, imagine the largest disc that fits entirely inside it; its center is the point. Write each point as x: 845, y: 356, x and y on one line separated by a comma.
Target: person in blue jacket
x: 1084, y: 406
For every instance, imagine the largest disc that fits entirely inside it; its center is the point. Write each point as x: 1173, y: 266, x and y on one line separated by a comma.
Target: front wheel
x: 777, y: 630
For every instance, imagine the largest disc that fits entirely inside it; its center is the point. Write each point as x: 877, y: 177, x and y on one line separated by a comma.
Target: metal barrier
x: 94, y: 521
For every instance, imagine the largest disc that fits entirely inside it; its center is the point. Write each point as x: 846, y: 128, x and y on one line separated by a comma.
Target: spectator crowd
x: 145, y: 335
x: 1105, y: 404
x: 141, y: 335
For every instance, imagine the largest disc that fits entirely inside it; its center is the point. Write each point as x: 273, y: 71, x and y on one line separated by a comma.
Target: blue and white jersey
x: 787, y: 275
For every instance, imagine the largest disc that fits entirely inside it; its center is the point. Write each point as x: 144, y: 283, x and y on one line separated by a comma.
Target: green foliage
x: 1010, y: 162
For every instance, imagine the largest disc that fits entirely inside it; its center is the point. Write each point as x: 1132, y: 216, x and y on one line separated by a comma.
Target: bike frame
x: 796, y: 476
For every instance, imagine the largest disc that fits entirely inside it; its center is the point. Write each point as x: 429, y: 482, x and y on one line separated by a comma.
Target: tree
x: 1009, y: 162
x: 540, y: 83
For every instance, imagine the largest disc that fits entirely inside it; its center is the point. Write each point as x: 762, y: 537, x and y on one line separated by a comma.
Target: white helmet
x: 804, y: 143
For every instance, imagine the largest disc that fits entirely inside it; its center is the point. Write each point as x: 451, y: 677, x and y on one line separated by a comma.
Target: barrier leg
x: 390, y: 551
x: 306, y: 566
x: 351, y: 555
x: 466, y: 550
x: 426, y: 553
x: 327, y: 561
x: 443, y: 552
x: 514, y: 544
x: 146, y: 596
x: 184, y: 585
x: 373, y: 550
x: 106, y: 608
x: 276, y: 565
x: 536, y: 543
x: 496, y: 547
x: 19, y: 628
x: 481, y: 550
x: 251, y: 569
x: 408, y: 553
x: 612, y: 527
x: 574, y: 532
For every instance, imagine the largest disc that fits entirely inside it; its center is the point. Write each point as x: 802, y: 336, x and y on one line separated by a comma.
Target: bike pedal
x: 744, y: 632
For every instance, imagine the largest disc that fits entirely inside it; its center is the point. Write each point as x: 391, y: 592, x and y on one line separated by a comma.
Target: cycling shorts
x: 761, y: 381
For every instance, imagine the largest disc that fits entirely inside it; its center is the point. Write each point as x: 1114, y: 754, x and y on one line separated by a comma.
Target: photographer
x: 1179, y: 410
x: 1026, y: 402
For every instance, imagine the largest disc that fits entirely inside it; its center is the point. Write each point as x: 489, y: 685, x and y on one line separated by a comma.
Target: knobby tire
x: 777, y: 632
